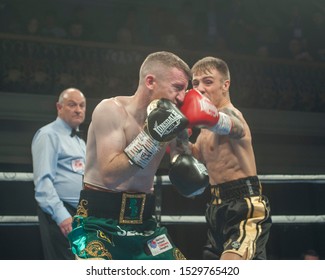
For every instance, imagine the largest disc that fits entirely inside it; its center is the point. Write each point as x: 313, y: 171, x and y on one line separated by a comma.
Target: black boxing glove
x: 164, y: 120
x: 163, y: 123
x: 188, y: 175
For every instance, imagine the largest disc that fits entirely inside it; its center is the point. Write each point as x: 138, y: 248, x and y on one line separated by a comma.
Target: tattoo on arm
x: 237, y: 130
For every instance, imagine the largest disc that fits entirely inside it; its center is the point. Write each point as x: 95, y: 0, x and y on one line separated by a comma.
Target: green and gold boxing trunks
x: 119, y: 226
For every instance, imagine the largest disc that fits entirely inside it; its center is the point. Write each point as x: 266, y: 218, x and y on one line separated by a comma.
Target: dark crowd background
x: 275, y: 49
x: 292, y: 29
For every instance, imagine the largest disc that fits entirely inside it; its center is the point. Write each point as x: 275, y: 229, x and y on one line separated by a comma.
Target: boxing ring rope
x: 163, y: 180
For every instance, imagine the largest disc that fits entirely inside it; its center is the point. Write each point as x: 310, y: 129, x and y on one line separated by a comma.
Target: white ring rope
x: 16, y: 176
x: 164, y: 180
x: 165, y: 219
x: 299, y: 219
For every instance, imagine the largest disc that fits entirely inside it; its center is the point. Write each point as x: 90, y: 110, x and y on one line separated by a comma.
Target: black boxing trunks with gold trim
x: 244, y: 187
x: 238, y: 218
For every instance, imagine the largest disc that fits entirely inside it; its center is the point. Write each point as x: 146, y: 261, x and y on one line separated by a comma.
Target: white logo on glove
x: 168, y: 125
x: 208, y: 107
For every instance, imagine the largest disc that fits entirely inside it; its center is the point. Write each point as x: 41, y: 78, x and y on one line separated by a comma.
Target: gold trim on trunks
x: 96, y: 249
x: 215, y: 192
x: 132, y: 208
x: 82, y: 208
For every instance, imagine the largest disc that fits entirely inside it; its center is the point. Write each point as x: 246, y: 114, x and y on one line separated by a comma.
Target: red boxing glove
x: 201, y: 112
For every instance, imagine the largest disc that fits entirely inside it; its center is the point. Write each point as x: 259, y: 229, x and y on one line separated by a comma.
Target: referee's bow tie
x: 76, y: 132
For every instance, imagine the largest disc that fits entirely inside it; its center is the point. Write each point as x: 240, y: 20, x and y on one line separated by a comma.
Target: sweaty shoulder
x: 112, y: 108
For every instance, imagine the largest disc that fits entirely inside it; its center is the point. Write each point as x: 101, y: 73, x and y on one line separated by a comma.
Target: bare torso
x: 115, y: 123
x: 226, y: 158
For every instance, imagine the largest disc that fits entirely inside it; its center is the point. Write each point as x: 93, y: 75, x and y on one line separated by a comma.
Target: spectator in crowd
x: 33, y: 27
x: 315, y: 35
x: 298, y: 51
x: 51, y: 27
x: 75, y: 30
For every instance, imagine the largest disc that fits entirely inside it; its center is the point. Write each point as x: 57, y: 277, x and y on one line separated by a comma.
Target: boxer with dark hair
x: 238, y: 215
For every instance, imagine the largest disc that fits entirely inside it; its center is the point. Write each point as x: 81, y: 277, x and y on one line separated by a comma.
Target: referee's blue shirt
x: 58, y: 168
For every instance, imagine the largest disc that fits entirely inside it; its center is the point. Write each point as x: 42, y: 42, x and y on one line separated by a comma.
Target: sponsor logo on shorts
x: 123, y: 232
x: 159, y: 244
x: 250, y: 187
